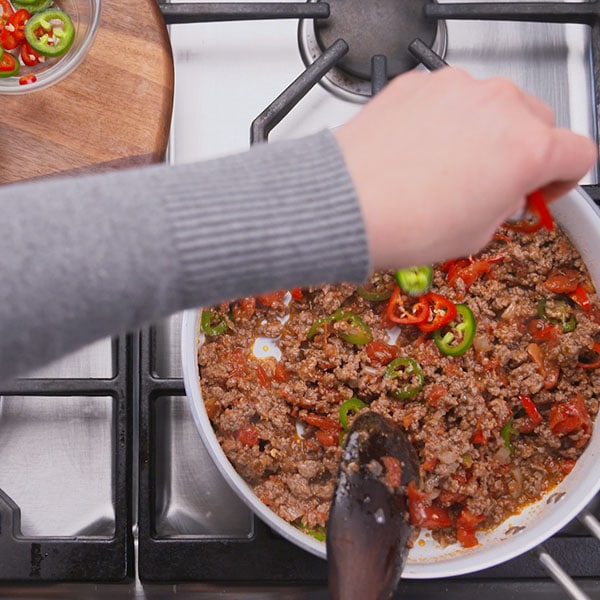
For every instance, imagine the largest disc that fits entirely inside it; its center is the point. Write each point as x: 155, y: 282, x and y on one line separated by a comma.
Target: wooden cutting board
x: 113, y: 111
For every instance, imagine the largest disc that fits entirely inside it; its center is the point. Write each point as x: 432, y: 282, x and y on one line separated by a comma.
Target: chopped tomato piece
x: 262, y: 375
x: 479, y: 438
x: 423, y: 515
x: 542, y: 331
x: 549, y: 371
x: 321, y: 422
x: 271, y: 298
x: 466, y: 523
x: 467, y: 270
x: 563, y: 281
x: 248, y: 435
x: 297, y: 294
x: 244, y: 308
x: 571, y: 417
x: 281, y: 373
x: 326, y: 437
x: 381, y: 353
x: 430, y: 517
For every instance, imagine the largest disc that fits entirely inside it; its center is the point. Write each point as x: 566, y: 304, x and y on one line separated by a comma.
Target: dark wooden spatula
x: 369, y: 527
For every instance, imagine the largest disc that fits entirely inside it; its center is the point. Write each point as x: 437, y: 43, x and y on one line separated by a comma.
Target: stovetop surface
x: 82, y: 440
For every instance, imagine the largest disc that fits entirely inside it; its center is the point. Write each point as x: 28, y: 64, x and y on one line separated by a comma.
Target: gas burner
x: 374, y: 28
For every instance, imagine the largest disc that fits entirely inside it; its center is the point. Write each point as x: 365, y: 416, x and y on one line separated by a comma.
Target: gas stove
x: 111, y: 490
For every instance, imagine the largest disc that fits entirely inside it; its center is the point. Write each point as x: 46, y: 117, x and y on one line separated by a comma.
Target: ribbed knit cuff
x: 284, y: 215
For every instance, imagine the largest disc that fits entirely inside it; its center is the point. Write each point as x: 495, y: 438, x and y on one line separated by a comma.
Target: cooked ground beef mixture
x: 498, y: 402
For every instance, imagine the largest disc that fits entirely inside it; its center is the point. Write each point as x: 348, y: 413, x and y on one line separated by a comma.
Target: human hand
x: 439, y: 160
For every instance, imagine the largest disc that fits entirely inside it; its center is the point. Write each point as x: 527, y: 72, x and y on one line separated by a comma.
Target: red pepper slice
x: 441, y: 312
x: 27, y: 79
x: 8, y: 65
x: 13, y: 32
x: 537, y: 207
x: 531, y: 409
x: 28, y: 55
x: 579, y: 295
x: 412, y: 314
x: 7, y: 11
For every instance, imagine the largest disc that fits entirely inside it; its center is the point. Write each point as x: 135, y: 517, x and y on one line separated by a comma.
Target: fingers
x: 569, y: 157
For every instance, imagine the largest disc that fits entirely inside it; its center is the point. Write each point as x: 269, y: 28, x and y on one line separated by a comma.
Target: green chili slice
x: 376, y: 290
x: 507, y: 432
x: 319, y: 533
x: 415, y: 281
x: 354, y: 331
x: 558, y: 313
x: 410, y: 374
x: 456, y: 338
x: 314, y: 328
x: 32, y: 6
x: 50, y: 32
x: 212, y: 323
x: 353, y: 405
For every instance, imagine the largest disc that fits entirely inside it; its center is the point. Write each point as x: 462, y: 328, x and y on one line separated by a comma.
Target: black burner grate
x: 80, y: 558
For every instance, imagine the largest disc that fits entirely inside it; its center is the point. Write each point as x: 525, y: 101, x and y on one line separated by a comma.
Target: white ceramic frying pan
x: 580, y: 218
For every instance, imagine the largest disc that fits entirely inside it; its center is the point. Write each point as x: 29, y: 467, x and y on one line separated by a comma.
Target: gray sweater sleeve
x: 86, y: 257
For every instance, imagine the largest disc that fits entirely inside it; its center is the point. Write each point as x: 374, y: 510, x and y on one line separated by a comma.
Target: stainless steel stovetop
x: 111, y: 424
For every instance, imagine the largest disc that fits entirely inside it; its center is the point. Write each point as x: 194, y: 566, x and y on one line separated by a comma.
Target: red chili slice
x: 8, y: 63
x: 579, y: 295
x: 536, y: 206
x: 27, y: 79
x: 441, y: 312
x: 13, y: 32
x: 28, y: 55
x: 7, y: 11
x: 531, y: 409
x: 412, y: 313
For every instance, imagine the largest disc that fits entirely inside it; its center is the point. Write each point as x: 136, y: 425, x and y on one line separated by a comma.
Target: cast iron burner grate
x: 37, y: 559
x: 337, y: 45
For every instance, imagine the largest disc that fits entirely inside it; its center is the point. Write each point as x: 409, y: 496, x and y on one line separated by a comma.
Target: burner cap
x: 372, y: 27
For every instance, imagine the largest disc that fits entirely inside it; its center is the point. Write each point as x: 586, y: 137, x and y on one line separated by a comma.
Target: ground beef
x: 483, y: 453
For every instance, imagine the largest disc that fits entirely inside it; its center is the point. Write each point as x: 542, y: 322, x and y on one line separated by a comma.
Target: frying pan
x: 579, y: 217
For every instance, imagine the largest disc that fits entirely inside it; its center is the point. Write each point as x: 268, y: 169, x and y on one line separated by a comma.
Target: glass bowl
x: 85, y: 15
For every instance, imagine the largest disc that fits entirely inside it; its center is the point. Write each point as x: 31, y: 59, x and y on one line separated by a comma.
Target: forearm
x: 83, y: 258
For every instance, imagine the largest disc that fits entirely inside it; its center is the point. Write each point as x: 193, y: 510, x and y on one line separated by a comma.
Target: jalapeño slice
x: 32, y: 6
x: 456, y: 338
x: 50, y: 32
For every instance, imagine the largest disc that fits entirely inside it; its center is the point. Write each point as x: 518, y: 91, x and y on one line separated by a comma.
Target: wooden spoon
x: 369, y: 527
